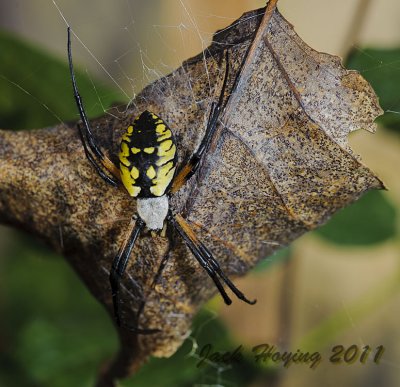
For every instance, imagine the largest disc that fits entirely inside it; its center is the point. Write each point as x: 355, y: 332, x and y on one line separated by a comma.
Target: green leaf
x: 183, y: 369
x: 54, y: 329
x: 381, y: 68
x: 55, y: 332
x: 36, y: 91
x: 53, y: 325
x: 370, y: 220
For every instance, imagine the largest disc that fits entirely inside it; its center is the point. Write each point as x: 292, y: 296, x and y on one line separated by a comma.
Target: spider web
x: 130, y: 45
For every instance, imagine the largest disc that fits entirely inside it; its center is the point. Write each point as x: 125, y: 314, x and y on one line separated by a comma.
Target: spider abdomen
x: 147, y: 156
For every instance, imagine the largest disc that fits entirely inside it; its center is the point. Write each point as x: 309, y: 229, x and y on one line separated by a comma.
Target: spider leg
x: 203, y: 262
x: 92, y: 151
x: 120, y: 262
x: 206, y: 260
x: 90, y: 157
x: 190, y: 168
x: 215, y: 265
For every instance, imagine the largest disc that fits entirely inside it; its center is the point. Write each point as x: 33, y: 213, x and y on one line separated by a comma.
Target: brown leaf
x: 279, y: 166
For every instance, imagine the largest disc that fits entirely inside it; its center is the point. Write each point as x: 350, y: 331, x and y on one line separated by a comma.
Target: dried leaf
x: 278, y: 167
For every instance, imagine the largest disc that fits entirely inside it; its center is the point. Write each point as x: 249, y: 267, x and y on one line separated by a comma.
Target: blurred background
x: 339, y: 285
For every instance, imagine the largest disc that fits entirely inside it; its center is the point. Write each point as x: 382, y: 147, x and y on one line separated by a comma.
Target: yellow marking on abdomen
x: 128, y: 180
x: 164, y: 147
x: 134, y: 173
x: 160, y: 128
x: 151, y: 172
x: 163, y: 153
x: 166, y: 152
x: 163, y: 178
x: 123, y: 154
x: 126, y: 137
x: 164, y: 136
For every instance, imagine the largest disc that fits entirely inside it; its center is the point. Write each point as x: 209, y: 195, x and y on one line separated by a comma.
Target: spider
x: 148, y: 170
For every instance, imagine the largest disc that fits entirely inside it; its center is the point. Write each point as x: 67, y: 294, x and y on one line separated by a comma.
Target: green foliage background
x: 52, y: 332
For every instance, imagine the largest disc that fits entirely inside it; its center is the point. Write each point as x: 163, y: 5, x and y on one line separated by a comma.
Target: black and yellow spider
x: 148, y: 170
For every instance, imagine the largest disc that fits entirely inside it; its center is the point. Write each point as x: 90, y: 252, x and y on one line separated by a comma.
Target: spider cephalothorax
x: 149, y: 172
